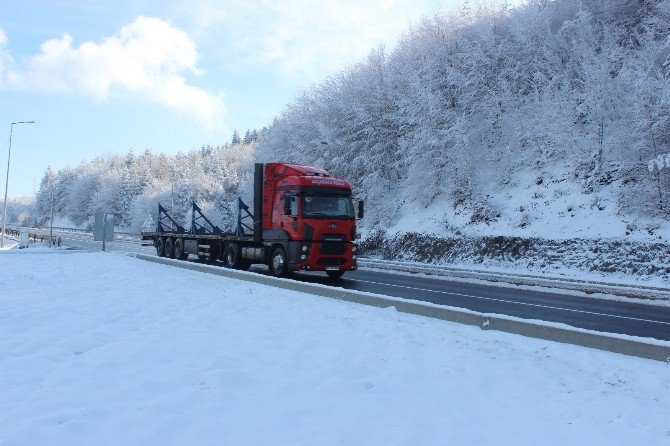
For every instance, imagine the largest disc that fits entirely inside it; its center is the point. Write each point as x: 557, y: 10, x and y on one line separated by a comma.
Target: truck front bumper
x: 314, y: 259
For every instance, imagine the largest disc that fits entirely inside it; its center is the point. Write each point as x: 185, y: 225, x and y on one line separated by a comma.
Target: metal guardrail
x: 58, y: 228
x: 32, y: 235
x: 88, y: 231
x: 13, y: 232
x: 77, y: 230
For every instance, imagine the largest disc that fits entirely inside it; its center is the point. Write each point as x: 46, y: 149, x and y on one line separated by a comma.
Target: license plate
x: 332, y: 268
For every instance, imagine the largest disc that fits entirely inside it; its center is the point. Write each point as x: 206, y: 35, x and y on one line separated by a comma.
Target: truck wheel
x: 160, y: 247
x: 278, y: 263
x: 179, y: 250
x: 232, y: 258
x: 169, y: 247
x: 335, y: 274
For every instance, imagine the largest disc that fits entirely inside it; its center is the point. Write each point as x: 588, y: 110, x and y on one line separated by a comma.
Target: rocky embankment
x: 603, y: 257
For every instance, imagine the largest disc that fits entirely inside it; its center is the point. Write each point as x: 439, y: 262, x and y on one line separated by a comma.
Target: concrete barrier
x: 658, y: 351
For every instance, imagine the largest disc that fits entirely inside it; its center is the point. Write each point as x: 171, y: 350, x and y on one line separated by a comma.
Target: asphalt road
x: 635, y: 319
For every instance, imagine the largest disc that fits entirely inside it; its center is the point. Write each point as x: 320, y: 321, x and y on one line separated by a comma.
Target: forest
x: 492, y: 119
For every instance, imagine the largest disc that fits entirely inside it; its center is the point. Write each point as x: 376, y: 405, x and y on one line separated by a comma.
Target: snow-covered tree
x: 464, y: 110
x: 236, y: 138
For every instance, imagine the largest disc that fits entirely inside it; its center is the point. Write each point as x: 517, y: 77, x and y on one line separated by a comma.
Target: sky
x: 106, y: 77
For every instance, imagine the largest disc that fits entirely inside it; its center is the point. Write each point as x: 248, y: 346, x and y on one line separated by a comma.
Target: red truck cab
x: 308, y: 220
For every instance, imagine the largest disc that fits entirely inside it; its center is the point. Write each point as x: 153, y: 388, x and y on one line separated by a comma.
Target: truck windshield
x: 327, y: 206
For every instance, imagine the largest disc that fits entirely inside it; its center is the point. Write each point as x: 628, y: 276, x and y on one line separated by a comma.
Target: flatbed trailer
x: 303, y: 220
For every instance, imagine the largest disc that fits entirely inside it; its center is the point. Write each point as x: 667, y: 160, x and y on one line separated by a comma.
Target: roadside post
x: 103, y: 228
x: 25, y: 238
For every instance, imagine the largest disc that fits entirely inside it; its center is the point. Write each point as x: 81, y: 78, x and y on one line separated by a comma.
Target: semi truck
x: 303, y: 220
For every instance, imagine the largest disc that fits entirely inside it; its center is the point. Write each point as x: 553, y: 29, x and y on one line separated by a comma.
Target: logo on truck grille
x: 333, y: 226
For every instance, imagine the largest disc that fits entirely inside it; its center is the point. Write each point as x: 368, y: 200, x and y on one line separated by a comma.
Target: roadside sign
x: 103, y: 230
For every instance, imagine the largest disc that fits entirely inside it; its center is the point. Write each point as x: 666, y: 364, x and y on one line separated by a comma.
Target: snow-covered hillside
x: 537, y: 121
x: 98, y: 348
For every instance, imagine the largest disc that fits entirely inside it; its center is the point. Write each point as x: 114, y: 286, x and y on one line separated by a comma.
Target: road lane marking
x: 496, y: 299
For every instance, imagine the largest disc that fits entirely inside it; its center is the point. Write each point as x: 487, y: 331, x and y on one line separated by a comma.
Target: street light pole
x: 51, y: 224
x: 9, y: 157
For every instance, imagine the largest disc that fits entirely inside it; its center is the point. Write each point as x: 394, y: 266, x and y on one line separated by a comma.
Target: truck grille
x: 333, y: 245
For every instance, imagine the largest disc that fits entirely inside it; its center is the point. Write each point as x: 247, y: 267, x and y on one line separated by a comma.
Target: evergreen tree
x: 236, y: 138
x: 247, y: 137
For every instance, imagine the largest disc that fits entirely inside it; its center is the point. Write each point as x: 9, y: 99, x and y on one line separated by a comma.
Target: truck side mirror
x: 287, y: 204
x: 361, y: 210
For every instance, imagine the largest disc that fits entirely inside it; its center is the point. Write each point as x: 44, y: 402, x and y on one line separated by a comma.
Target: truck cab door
x: 288, y: 215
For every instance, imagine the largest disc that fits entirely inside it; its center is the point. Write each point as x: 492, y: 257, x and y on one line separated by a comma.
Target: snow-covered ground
x: 556, y: 209
x: 9, y: 244
x: 99, y: 348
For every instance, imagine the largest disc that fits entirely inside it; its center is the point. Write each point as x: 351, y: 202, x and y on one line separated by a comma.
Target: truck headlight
x: 354, y: 257
x: 303, y: 257
x: 304, y: 248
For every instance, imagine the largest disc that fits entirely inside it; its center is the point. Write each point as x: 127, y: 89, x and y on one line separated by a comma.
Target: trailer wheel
x: 335, y: 274
x: 232, y: 257
x: 179, y: 252
x: 160, y: 247
x: 169, y: 247
x: 278, y: 263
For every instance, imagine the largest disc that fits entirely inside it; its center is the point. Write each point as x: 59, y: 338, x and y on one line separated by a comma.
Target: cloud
x: 149, y: 58
x: 5, y: 56
x: 306, y: 38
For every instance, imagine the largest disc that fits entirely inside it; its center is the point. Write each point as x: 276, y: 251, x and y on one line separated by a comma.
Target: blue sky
x: 104, y: 77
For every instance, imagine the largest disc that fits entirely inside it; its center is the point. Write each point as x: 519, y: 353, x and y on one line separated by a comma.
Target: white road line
x: 494, y: 299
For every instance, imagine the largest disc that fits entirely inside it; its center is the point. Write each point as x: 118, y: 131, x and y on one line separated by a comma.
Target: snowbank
x: 616, y: 260
x: 98, y: 348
